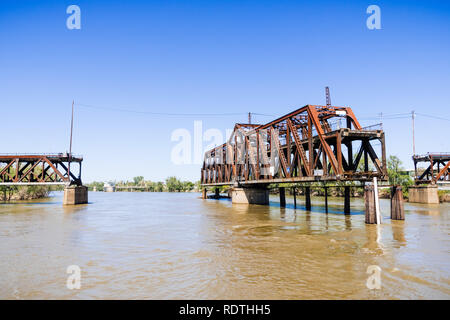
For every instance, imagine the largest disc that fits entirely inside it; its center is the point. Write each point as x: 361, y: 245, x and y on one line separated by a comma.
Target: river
x: 177, y: 246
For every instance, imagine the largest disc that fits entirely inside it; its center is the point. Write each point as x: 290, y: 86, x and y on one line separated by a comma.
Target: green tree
x: 138, y: 180
x: 98, y: 185
x: 159, y: 186
x: 397, y: 174
x: 188, y: 186
x: 173, y: 184
x: 394, y: 170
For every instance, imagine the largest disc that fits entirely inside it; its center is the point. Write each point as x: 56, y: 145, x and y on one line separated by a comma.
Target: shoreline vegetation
x: 18, y: 193
x: 139, y: 184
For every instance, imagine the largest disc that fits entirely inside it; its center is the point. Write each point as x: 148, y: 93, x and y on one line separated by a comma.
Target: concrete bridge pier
x: 75, y: 195
x: 250, y: 195
x: 423, y: 194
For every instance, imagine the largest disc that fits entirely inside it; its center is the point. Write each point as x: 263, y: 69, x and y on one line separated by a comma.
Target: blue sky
x: 268, y: 57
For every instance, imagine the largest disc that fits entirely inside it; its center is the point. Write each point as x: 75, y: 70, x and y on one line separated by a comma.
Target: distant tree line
x: 396, y: 173
x: 171, y: 184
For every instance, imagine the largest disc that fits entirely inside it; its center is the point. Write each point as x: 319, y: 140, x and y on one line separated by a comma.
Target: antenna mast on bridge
x: 327, y: 94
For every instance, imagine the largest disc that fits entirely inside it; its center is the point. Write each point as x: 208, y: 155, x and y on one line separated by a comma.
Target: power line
x: 159, y: 113
x: 391, y: 116
x: 170, y: 113
x: 433, y: 117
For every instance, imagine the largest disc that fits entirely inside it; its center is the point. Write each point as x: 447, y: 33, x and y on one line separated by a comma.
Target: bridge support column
x: 251, y: 195
x: 326, y: 199
x: 75, y: 195
x: 294, y: 191
x: 423, y: 194
x: 369, y: 200
x: 204, y: 193
x: 347, y: 200
x: 397, y: 210
x: 308, y: 198
x: 217, y: 193
x: 282, y: 197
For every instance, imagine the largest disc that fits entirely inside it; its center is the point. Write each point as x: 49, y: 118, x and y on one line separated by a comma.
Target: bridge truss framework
x: 39, y: 169
x: 438, y: 169
x: 302, y: 146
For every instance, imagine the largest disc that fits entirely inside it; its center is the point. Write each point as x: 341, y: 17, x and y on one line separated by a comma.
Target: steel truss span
x: 438, y: 169
x: 39, y: 169
x: 311, y: 144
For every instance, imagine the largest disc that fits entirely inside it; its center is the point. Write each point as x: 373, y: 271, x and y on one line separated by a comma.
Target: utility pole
x: 249, y: 118
x: 413, y: 115
x: 70, y: 147
x: 381, y: 120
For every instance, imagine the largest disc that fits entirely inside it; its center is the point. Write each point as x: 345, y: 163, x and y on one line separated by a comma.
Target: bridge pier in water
x: 294, y: 192
x: 250, y: 195
x: 308, y: 198
x: 369, y: 201
x: 75, y: 195
x: 397, y: 209
x: 282, y: 197
x: 423, y: 194
x: 347, y: 200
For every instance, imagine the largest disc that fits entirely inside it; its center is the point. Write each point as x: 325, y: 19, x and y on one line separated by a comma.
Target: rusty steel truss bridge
x: 39, y: 169
x: 438, y: 169
x: 311, y: 144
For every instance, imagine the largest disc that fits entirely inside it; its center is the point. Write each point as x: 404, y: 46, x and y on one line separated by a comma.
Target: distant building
x: 109, y: 187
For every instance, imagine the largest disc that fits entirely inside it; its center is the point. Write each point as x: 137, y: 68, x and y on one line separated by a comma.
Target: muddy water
x: 176, y: 246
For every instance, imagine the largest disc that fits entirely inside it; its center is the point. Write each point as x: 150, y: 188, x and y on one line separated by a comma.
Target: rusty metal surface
x: 438, y: 169
x: 33, y: 169
x: 307, y: 146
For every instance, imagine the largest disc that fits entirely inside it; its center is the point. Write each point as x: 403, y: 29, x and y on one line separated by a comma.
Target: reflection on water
x: 176, y: 246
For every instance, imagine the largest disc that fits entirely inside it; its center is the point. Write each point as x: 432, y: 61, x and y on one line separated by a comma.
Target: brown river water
x: 177, y: 246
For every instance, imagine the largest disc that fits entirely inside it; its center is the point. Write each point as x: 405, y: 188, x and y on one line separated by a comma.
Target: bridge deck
x: 59, y: 157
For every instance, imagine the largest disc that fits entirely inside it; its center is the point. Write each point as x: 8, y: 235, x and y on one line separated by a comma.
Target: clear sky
x: 203, y: 57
